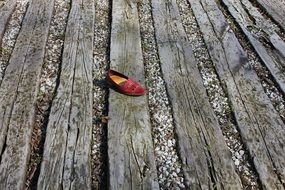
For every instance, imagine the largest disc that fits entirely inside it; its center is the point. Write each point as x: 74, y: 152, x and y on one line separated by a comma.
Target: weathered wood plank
x: 260, y: 126
x: 18, y: 94
x: 273, y: 57
x: 5, y: 14
x: 131, y: 154
x: 206, y: 160
x: 266, y: 27
x: 67, y: 158
x: 276, y: 9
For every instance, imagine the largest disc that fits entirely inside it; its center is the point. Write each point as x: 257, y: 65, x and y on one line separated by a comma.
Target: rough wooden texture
x: 18, y: 93
x: 131, y: 154
x: 67, y: 151
x: 5, y: 14
x: 276, y: 9
x: 251, y: 21
x: 260, y: 126
x: 206, y: 160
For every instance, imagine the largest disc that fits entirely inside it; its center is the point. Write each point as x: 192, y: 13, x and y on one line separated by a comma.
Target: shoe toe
x: 139, y: 90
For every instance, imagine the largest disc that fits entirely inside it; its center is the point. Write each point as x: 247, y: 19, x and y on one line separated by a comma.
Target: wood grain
x: 67, y: 151
x: 260, y: 126
x: 206, y: 160
x: 18, y: 93
x: 130, y: 147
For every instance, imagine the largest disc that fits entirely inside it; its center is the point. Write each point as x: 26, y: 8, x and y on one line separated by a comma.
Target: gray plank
x: 276, y: 9
x: 260, y: 126
x: 264, y: 26
x: 206, y: 160
x: 130, y: 147
x: 5, y: 14
x: 67, y: 158
x: 273, y: 57
x: 18, y: 93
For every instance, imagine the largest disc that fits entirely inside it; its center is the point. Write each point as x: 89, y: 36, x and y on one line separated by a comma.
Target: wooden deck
x: 206, y: 160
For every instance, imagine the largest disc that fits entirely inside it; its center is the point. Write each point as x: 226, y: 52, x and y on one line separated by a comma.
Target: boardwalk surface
x: 66, y: 160
x: 259, y: 124
x: 202, y: 149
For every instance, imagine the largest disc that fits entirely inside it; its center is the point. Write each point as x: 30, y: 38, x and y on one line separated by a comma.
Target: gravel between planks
x: 218, y: 98
x: 100, y: 93
x: 167, y: 160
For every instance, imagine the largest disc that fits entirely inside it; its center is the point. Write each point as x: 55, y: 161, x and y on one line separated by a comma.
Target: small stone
x: 237, y: 162
x: 178, y: 170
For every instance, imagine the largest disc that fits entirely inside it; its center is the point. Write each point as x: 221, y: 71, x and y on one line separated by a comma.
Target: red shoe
x: 124, y: 84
